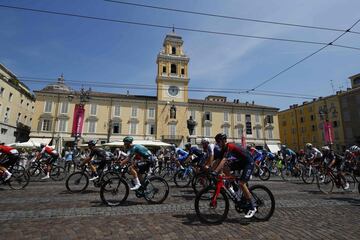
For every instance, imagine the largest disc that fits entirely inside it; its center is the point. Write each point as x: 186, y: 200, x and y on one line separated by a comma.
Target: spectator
x: 68, y: 159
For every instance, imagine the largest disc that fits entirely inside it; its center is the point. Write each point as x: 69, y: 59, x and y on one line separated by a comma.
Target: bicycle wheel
x: 156, y: 190
x: 286, y: 174
x: 77, y: 182
x: 34, y: 171
x: 351, y: 181
x: 108, y: 175
x: 19, y: 178
x: 168, y: 173
x: 209, y: 211
x: 308, y: 175
x: 264, y: 200
x: 183, y: 177
x: 324, y: 183
x: 114, y: 191
x: 264, y: 173
x: 57, y: 173
x: 200, y: 181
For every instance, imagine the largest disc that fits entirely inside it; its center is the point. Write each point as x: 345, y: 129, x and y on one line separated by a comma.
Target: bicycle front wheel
x: 77, y: 182
x: 264, y: 200
x: 324, y: 183
x: 308, y: 175
x: 57, y: 173
x: 156, y: 190
x: 183, y: 178
x: 114, y: 191
x: 19, y: 178
x: 264, y: 173
x: 210, y: 210
x: 200, y: 181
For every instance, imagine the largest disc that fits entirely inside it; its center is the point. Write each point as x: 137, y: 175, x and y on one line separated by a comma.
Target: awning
x: 141, y: 142
x: 274, y: 148
x: 33, y: 142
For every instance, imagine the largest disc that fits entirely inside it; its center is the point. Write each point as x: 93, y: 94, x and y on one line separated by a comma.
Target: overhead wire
x: 228, y: 17
x: 171, y: 27
x: 305, y: 58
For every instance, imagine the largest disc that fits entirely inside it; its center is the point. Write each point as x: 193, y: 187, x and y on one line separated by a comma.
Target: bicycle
x: 261, y: 171
x: 39, y: 168
x: 290, y: 171
x: 115, y: 191
x: 19, y: 177
x: 215, y: 199
x: 326, y: 181
x: 78, y: 182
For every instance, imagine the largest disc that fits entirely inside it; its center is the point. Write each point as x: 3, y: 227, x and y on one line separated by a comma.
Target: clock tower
x: 172, y: 90
x: 172, y: 76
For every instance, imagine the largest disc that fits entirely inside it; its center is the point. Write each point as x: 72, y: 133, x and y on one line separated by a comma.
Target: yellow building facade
x: 16, y: 108
x: 110, y: 116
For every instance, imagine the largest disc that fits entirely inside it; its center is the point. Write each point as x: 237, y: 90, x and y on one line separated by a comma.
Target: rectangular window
x: 226, y: 116
x: 257, y: 133
x: 182, y: 71
x: 93, y: 109
x: 48, y: 107
x: 64, y: 107
x: 2, y: 91
x: 92, y: 126
x: 270, y: 132
x: 192, y: 113
x: 269, y: 119
x: 116, y: 127
x: 134, y: 111
x: 172, y: 130
x: 151, y: 129
x: 46, y: 125
x: 312, y: 117
x: 10, y: 97
x: 208, y: 116
x: 133, y: 128
x: 238, y: 117
x: 207, y: 131
x: 257, y: 118
x: 302, y: 119
x: 151, y: 113
x: 117, y: 110
x: 226, y: 131
x: 164, y: 69
x: 248, y: 124
x: 240, y: 132
x: 62, y: 125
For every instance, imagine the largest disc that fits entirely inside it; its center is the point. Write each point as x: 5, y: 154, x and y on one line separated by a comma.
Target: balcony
x: 171, y: 137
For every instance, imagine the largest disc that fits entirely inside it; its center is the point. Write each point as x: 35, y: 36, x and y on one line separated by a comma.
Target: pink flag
x: 243, y: 139
x: 328, y: 130
x: 78, y: 121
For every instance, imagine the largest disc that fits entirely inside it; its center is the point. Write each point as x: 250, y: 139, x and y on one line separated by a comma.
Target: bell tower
x: 172, y: 75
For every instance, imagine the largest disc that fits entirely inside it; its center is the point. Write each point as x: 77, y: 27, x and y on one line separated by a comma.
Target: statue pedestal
x: 192, y: 139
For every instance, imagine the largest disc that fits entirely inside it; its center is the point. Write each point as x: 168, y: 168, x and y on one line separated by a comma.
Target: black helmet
x: 128, y: 139
x: 92, y: 143
x: 187, y: 145
x: 42, y: 145
x: 220, y: 136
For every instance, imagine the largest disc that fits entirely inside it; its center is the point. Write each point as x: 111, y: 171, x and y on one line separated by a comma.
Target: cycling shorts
x: 9, y: 160
x: 247, y: 168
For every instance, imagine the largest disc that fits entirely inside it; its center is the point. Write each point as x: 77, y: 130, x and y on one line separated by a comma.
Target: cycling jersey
x: 181, y: 154
x: 6, y: 150
x: 99, y: 153
x: 196, y: 151
x: 313, y: 153
x: 237, y: 151
x: 140, y: 150
x: 218, y: 152
x: 50, y: 151
x: 9, y: 156
x: 209, y: 151
x: 242, y: 160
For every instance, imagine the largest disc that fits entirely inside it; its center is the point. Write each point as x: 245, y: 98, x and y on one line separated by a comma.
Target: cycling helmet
x: 92, y: 143
x: 42, y: 145
x: 301, y: 152
x: 187, y: 145
x: 174, y: 145
x: 354, y: 149
x: 283, y: 146
x: 205, y: 140
x: 128, y: 139
x: 220, y: 136
x: 308, y: 145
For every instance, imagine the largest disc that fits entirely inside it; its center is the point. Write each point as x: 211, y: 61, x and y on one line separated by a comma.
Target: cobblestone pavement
x: 45, y: 210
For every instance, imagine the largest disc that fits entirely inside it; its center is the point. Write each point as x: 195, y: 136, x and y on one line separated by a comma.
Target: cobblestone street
x: 45, y: 210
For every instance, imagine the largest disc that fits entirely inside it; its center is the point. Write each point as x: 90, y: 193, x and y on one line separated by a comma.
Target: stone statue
x: 173, y: 112
x: 191, y: 125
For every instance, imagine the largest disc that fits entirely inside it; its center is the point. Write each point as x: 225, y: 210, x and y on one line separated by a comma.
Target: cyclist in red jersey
x: 234, y: 158
x: 9, y: 156
x: 51, y: 156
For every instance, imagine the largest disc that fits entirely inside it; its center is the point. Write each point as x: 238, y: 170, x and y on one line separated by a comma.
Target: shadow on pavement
x: 192, y: 220
x: 352, y: 201
x: 84, y: 192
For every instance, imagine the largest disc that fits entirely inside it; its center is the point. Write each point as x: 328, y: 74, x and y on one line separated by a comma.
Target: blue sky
x: 42, y: 45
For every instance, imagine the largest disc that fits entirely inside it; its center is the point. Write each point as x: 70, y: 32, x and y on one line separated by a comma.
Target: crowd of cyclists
x: 214, y: 157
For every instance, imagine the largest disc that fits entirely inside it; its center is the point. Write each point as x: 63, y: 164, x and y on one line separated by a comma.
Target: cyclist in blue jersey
x: 288, y: 155
x: 181, y: 156
x: 199, y: 156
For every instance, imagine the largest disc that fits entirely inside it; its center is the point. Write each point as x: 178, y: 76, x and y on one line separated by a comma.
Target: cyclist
x: 313, y: 154
x: 142, y: 165
x: 288, y: 155
x: 181, y: 155
x: 119, y: 155
x: 355, y: 150
x: 208, y: 150
x: 197, y: 153
x: 333, y: 160
x: 50, y: 155
x: 100, y: 155
x: 241, y: 159
x: 9, y: 156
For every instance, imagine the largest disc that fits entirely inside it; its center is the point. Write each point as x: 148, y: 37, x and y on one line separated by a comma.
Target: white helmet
x: 308, y: 145
x: 205, y: 140
x: 354, y: 149
x: 325, y: 149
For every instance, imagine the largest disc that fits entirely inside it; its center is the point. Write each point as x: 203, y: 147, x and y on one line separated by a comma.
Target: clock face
x: 173, y: 90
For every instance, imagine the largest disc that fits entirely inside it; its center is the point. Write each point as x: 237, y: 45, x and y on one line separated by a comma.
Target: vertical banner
x: 243, y: 139
x: 329, y: 136
x: 78, y: 121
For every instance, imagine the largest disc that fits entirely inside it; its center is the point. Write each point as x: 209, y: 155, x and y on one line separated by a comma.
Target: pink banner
x: 243, y: 140
x: 329, y: 136
x: 78, y: 121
